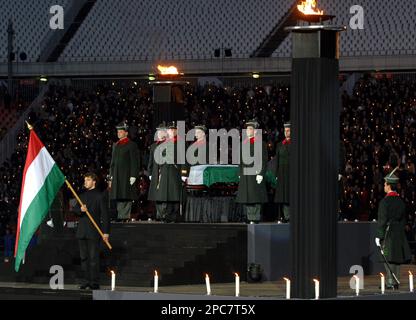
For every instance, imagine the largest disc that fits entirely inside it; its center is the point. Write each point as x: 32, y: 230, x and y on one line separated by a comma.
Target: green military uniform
x: 125, y: 164
x: 282, y: 174
x: 197, y: 146
x: 391, y: 231
x: 250, y: 193
x: 153, y: 169
x: 168, y: 192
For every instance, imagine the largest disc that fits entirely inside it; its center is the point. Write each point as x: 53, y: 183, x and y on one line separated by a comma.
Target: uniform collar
x: 287, y: 141
x: 200, y: 142
x: 123, y: 141
x: 252, y: 140
x: 160, y: 141
x: 174, y: 139
x: 392, y: 194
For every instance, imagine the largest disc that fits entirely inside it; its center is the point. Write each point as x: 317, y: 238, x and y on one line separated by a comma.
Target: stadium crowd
x: 378, y: 128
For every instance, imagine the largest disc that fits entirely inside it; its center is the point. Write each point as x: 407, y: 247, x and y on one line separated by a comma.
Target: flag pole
x: 88, y: 214
x: 80, y: 203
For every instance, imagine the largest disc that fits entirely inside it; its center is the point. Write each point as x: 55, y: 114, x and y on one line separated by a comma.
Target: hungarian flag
x: 42, y: 180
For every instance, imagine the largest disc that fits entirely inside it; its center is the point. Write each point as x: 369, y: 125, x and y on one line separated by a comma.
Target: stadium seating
x: 389, y: 28
x: 30, y: 22
x: 130, y: 30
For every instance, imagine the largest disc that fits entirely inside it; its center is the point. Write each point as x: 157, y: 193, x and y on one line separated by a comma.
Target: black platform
x: 183, y: 253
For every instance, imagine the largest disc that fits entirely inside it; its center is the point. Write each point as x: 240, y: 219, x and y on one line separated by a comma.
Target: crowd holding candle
x: 378, y: 125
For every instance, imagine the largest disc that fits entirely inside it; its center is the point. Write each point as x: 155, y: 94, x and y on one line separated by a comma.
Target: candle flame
x: 381, y: 275
x: 156, y: 274
x: 236, y: 274
x: 112, y: 272
x: 316, y: 280
x: 207, y: 276
x: 309, y: 7
x: 164, y: 70
x: 286, y: 279
x: 410, y: 273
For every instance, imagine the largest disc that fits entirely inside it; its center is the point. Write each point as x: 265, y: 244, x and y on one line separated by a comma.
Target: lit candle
x: 410, y: 282
x: 316, y: 289
x: 208, y: 285
x: 357, y: 285
x: 287, y: 288
x: 237, y: 285
x: 156, y: 283
x: 113, y: 280
x: 383, y: 283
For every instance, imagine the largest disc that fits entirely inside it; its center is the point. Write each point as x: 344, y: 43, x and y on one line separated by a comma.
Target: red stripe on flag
x: 34, y: 147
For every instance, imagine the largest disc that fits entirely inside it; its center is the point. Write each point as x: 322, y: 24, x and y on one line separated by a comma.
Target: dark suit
x: 88, y: 237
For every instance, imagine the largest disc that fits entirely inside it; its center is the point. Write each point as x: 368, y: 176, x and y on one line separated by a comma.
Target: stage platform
x: 183, y: 253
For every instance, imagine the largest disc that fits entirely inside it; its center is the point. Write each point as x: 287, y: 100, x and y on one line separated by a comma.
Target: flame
x: 167, y: 70
x: 286, y: 279
x: 112, y: 272
x: 410, y: 273
x: 309, y: 7
x: 156, y: 273
x: 236, y: 275
x: 381, y: 275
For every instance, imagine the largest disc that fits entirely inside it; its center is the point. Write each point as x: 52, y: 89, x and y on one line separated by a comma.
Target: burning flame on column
x: 309, y: 7
x: 164, y: 70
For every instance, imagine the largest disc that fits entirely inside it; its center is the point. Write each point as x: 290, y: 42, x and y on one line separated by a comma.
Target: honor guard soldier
x: 282, y: 174
x: 252, y: 191
x: 391, y: 237
x: 124, y: 173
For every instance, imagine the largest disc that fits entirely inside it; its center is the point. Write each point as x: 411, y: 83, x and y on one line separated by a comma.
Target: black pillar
x: 315, y: 118
x: 168, y: 99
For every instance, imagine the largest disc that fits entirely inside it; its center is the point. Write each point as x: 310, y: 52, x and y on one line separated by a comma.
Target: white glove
x: 259, y: 179
x: 132, y: 180
x: 377, y: 242
x: 339, y: 177
x: 184, y: 179
x: 150, y: 178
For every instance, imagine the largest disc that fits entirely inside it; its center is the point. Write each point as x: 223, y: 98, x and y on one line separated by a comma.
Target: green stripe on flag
x: 37, y: 211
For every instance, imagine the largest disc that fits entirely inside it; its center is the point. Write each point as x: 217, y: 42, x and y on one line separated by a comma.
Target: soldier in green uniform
x: 391, y: 230
x: 124, y: 172
x: 252, y: 191
x: 200, y: 146
x: 154, y: 169
x: 282, y: 174
x: 169, y: 190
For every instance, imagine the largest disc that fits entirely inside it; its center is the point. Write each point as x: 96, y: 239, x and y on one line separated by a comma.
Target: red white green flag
x: 42, y: 180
